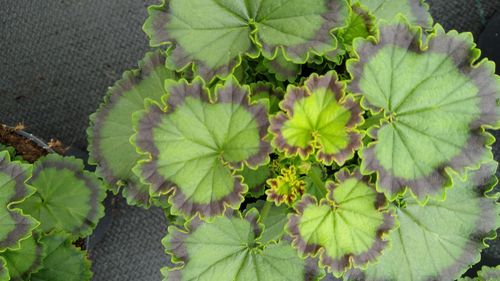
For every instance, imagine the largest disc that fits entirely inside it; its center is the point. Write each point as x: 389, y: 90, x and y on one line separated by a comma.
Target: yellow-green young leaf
x: 195, y: 146
x: 214, y: 35
x: 441, y: 240
x: 286, y: 188
x: 435, y: 101
x: 67, y: 198
x: 416, y: 11
x: 21, y: 263
x: 111, y: 126
x: 4, y: 272
x: 14, y: 225
x: 63, y: 261
x: 346, y: 229
x: 318, y: 116
x: 229, y: 248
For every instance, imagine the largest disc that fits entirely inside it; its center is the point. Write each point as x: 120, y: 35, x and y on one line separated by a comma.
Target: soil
x: 25, y: 147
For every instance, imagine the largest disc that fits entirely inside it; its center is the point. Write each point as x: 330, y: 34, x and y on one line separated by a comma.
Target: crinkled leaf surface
x: 229, y: 247
x: 441, y: 240
x: 215, y: 34
x: 21, y: 263
x: 4, y: 272
x: 435, y: 100
x: 111, y: 126
x: 197, y: 143
x: 67, y: 198
x: 14, y: 225
x: 347, y: 229
x: 273, y: 218
x: 318, y: 117
x: 416, y: 11
x: 63, y: 261
x: 286, y: 187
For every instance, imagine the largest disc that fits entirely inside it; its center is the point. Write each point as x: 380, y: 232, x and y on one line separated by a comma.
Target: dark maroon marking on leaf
x: 91, y: 183
x: 343, y: 262
x: 253, y: 218
x: 129, y: 80
x: 333, y: 19
x: 179, y: 91
x: 133, y: 191
x: 465, y: 59
x: 23, y: 223
x: 420, y: 10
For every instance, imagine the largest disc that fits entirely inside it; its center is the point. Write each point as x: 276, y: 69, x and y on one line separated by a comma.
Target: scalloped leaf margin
x: 421, y: 120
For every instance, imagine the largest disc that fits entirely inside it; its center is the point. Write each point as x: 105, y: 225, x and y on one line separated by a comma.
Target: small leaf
x: 435, y: 101
x: 195, y: 146
x: 14, y: 225
x: 361, y: 23
x: 416, y: 11
x: 274, y: 219
x: 268, y: 93
x: 63, y: 261
x: 23, y: 262
x: 214, y: 35
x: 441, y: 240
x: 283, y: 69
x: 347, y: 229
x: 318, y: 116
x: 67, y: 198
x: 315, y: 184
x: 111, y: 126
x: 285, y: 188
x: 256, y: 179
x: 230, y: 247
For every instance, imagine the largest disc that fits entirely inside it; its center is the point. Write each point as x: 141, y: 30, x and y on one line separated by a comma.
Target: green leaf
x: 21, y: 263
x: 268, y: 93
x: 111, y: 126
x: 318, y: 117
x: 230, y: 247
x: 361, y: 23
x: 195, y: 146
x: 273, y: 218
x: 63, y: 261
x: 283, y: 69
x: 67, y: 198
x: 346, y: 229
x: 435, y: 100
x: 441, y: 240
x: 416, y: 11
x: 256, y: 179
x: 489, y: 273
x: 4, y: 272
x: 315, y: 184
x: 214, y: 35
x: 14, y: 225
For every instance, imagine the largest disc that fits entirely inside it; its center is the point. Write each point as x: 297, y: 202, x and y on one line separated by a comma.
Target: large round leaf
x: 196, y: 145
x: 441, y: 240
x: 67, y: 198
x: 318, y: 117
x: 215, y: 34
x: 229, y: 248
x: 21, y: 263
x: 435, y: 101
x: 63, y: 261
x: 14, y: 225
x: 347, y: 229
x: 111, y: 126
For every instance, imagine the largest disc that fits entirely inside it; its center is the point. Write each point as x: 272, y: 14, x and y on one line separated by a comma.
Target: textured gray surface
x: 57, y: 58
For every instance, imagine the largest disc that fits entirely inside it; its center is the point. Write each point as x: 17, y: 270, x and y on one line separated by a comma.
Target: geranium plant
x: 288, y: 140
x: 46, y: 208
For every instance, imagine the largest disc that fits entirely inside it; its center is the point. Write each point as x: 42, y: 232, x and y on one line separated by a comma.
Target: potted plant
x: 49, y: 204
x: 288, y: 140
